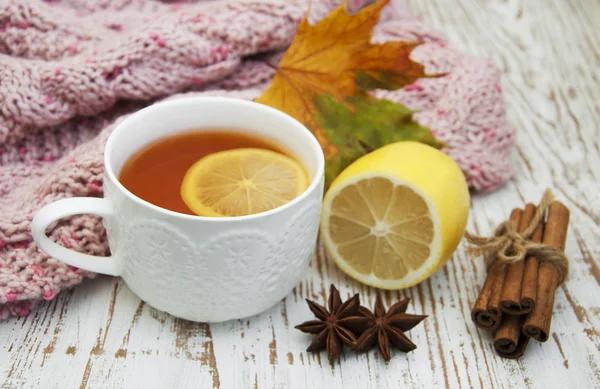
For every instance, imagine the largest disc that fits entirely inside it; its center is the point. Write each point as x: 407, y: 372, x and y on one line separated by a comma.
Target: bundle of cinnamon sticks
x: 517, y: 299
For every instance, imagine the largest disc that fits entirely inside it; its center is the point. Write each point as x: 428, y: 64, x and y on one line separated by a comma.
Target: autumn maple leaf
x: 323, y: 78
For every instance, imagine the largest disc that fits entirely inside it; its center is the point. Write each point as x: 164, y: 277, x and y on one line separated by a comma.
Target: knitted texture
x: 70, y: 70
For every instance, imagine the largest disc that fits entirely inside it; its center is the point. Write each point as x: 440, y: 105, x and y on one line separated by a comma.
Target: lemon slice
x: 242, y: 182
x: 396, y: 215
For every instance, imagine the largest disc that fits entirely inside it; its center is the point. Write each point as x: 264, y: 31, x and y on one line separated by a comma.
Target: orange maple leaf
x: 335, y: 59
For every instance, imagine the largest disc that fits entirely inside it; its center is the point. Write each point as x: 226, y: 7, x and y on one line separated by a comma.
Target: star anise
x: 388, y: 328
x: 335, y: 327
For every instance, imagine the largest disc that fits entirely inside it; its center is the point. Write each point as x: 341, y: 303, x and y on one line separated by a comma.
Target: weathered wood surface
x: 101, y: 335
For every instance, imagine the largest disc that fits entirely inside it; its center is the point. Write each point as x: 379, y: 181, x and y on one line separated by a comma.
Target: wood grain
x: 101, y: 335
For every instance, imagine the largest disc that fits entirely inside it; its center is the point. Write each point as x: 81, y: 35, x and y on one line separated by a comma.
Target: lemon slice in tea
x: 394, y: 216
x: 242, y: 182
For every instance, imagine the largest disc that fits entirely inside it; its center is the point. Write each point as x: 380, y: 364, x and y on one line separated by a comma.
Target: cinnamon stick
x: 510, y: 297
x: 537, y: 323
x: 530, y: 275
x: 489, y: 319
x: 486, y: 313
x: 509, y: 341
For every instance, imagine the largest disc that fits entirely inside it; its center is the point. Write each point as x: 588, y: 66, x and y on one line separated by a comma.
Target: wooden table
x: 100, y: 335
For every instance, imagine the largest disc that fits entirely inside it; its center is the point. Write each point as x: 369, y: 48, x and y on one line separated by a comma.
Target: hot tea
x: 156, y: 174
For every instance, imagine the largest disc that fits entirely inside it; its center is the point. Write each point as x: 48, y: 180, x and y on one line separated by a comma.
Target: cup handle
x: 69, y: 207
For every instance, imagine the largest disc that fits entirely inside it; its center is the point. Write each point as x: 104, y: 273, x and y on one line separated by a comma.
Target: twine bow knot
x: 509, y: 246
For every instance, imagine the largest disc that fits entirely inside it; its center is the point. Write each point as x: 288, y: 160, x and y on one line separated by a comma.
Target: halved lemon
x: 396, y: 215
x: 242, y: 182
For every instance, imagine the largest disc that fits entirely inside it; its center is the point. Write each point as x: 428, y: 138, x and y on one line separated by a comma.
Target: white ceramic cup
x: 199, y: 268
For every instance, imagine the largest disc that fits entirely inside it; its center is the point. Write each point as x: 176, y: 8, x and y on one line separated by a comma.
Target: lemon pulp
x: 242, y: 182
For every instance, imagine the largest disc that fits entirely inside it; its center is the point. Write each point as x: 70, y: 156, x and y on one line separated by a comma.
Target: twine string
x: 507, y: 245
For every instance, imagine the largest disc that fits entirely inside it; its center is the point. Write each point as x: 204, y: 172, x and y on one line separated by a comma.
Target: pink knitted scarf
x: 70, y: 69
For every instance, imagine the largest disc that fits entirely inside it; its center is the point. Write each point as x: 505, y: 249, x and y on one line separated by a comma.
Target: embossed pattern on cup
x: 216, y: 273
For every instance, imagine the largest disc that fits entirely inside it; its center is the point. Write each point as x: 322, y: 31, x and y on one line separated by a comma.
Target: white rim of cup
x: 271, y: 111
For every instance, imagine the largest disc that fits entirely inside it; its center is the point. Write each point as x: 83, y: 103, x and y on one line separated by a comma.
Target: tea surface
x: 155, y: 173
